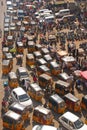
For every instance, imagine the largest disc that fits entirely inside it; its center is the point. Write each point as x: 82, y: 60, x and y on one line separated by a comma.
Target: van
x: 62, y: 13
x: 72, y: 122
x: 20, y: 96
x: 50, y: 19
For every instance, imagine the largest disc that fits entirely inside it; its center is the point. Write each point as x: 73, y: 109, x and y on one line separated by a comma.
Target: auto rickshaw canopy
x: 35, y: 87
x: 44, y: 67
x: 62, y: 83
x: 44, y: 50
x: 10, y: 38
x: 45, y: 76
x: 10, y: 115
x: 17, y: 107
x: 68, y: 59
x: 42, y: 110
x: 48, y: 57
x: 12, y: 75
x: 30, y: 56
x: 41, y: 61
x: 5, y: 62
x: 8, y: 55
x: 54, y: 64
x: 20, y: 44
x: 56, y: 98
x: 71, y: 97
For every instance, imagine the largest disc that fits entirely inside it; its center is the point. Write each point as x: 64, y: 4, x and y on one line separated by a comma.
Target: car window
x: 64, y: 119
x: 78, y: 124
x: 15, y: 95
x: 71, y: 124
x: 23, y: 97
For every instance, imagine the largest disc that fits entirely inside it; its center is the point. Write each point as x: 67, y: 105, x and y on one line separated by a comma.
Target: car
x: 72, y: 122
x: 19, y: 95
x: 22, y: 74
x: 45, y: 127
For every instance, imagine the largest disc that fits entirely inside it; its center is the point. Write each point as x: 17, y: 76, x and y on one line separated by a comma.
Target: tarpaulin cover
x: 84, y: 74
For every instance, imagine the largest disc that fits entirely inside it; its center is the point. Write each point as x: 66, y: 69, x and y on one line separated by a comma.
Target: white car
x: 20, y: 96
x: 44, y: 127
x: 72, y: 122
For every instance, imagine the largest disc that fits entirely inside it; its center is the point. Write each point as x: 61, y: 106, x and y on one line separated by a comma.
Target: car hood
x: 84, y: 127
x: 27, y: 103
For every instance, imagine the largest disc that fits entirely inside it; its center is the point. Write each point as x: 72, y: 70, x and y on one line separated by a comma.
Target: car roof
x: 45, y: 127
x: 70, y: 116
x: 22, y: 69
x: 19, y: 91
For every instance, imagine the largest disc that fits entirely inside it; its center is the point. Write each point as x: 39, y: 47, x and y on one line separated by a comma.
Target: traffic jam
x: 44, y: 65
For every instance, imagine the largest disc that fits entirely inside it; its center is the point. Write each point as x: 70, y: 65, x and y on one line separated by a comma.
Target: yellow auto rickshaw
x: 30, y: 37
x: 37, y: 54
x: 86, y: 120
x: 69, y: 61
x: 15, y: 6
x: 20, y: 47
x: 26, y: 18
x: 44, y: 51
x: 45, y: 80
x: 14, y: 12
x: 9, y: 56
x: 62, y: 53
x: 41, y: 61
x: 18, y: 25
x: 72, y: 102
x: 12, y: 30
x: 12, y: 80
x: 84, y: 102
x: 31, y: 46
x: 6, y: 67
x: 48, y: 58
x: 20, y: 109
x: 12, y: 121
x: 43, y: 69
x: 26, y: 25
x: 30, y: 61
x: 43, y: 115
x: 52, y: 38
x: 55, y: 68
x: 6, y: 32
x: 10, y: 40
x: 15, y: 19
x: 62, y: 87
x: 57, y: 104
x: 35, y: 92
x: 4, y: 50
x: 38, y: 47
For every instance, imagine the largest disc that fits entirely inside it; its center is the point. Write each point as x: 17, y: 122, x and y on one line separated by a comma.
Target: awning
x: 84, y: 74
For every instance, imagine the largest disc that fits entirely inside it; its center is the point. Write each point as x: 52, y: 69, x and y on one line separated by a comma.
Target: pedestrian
x: 26, y: 84
x: 34, y: 78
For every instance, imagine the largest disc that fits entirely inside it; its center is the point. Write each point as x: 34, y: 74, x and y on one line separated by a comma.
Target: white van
x: 72, y: 122
x: 20, y: 96
x: 49, y: 19
x: 62, y: 13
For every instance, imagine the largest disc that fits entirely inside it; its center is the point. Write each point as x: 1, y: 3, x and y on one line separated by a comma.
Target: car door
x: 65, y: 122
x: 71, y: 126
x: 14, y: 97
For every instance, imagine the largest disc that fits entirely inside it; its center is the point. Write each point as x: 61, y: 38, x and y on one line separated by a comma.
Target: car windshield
x: 24, y: 74
x: 23, y: 97
x: 78, y: 124
x: 39, y: 127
